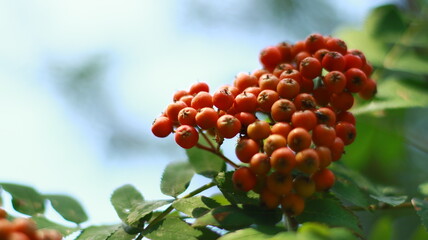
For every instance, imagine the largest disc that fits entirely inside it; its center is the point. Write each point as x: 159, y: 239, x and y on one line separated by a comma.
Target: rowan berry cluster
x: 24, y: 229
x: 291, y: 116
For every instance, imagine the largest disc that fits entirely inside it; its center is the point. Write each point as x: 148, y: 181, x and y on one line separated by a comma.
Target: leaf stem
x: 161, y: 216
x: 212, y: 150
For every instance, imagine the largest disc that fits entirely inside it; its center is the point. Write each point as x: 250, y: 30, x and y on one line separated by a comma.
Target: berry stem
x: 291, y: 223
x: 218, y: 153
x: 170, y: 208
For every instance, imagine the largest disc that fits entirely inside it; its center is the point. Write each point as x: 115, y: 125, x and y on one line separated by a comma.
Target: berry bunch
x: 301, y: 95
x: 24, y: 229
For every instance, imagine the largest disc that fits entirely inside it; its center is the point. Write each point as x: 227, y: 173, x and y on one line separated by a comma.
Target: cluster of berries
x: 24, y: 229
x: 301, y: 95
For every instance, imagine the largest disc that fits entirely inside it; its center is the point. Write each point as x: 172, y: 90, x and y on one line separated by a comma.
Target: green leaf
x: 176, y: 178
x: 233, y: 195
x: 98, y: 232
x: 205, y: 163
x: 195, y: 206
x: 120, y: 234
x: 395, y: 94
x: 44, y: 223
x: 386, y: 23
x: 68, y: 207
x: 349, y: 192
x: 172, y: 229
x: 227, y: 217
x: 329, y: 211
x: 421, y: 207
x: 124, y: 199
x: 207, y: 234
x: 382, y: 229
x: 256, y: 233
x: 391, y: 200
x: 423, y: 188
x: 316, y: 231
x: 25, y: 199
x: 141, y: 210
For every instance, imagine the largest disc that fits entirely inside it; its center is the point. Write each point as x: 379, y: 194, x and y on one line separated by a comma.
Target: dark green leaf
x: 421, y: 207
x: 329, y: 211
x: 141, y: 210
x: 394, y: 94
x: 98, y: 232
x: 233, y: 195
x: 195, y: 206
x: 172, y: 229
x: 349, y: 192
x: 44, y: 223
x: 386, y: 23
x: 68, y: 208
x: 205, y: 163
x: 25, y: 199
x: 391, y: 200
x: 124, y: 199
x: 227, y: 217
x: 207, y: 233
x: 258, y: 233
x: 176, y: 178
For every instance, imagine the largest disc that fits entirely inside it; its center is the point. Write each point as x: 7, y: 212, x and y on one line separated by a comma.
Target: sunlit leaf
x: 125, y: 199
x: 25, y: 199
x: 142, y: 210
x: 98, y: 232
x: 44, y: 223
x: 176, y: 178
x: 205, y: 163
x: 172, y: 229
x: 195, y: 206
x: 68, y: 207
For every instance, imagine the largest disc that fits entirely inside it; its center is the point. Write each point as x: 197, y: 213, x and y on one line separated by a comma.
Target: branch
x: 227, y: 160
x: 382, y: 206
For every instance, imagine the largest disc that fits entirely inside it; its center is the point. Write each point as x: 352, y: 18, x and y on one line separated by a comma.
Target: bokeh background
x: 82, y: 81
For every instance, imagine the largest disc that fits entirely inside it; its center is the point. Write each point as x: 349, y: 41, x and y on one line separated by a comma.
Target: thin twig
x: 375, y: 207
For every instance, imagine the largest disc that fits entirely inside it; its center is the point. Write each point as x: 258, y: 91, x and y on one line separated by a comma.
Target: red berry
x: 162, y: 127
x: 186, y: 136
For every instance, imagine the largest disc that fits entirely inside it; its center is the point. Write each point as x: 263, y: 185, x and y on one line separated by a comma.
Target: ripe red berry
x: 333, y: 61
x: 186, y: 136
x: 304, y: 119
x: 187, y: 115
x: 335, y: 81
x: 173, y: 109
x: 228, y: 126
x: 270, y: 57
x: 356, y: 79
x: 288, y: 88
x: 299, y: 139
x: 336, y: 44
x: 245, y: 80
x: 342, y: 101
x: 307, y: 161
x: 310, y: 67
x: 162, y: 127
x: 346, y: 131
x: 258, y: 130
x: 282, y: 110
x: 206, y: 118
x: 266, y: 99
x: 223, y: 98
x: 245, y: 149
x: 324, y: 179
x: 243, y: 179
x: 268, y: 81
x: 325, y: 116
x: 260, y: 164
x: 283, y: 160
x: 201, y: 100
x: 314, y: 42
x: 323, y: 135
x: 246, y: 102
x: 199, y: 87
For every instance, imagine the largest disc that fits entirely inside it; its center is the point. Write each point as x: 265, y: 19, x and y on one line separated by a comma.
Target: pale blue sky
x: 153, y: 48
